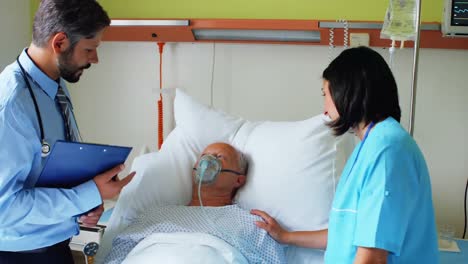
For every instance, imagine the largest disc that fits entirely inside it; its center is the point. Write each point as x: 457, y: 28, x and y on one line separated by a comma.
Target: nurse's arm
x: 370, y: 255
x: 309, y: 239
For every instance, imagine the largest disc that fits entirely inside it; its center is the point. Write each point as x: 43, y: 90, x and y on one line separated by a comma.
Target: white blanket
x: 184, y: 248
x: 231, y: 224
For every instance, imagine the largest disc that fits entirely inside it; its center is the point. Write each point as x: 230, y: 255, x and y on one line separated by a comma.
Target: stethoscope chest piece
x: 45, y: 149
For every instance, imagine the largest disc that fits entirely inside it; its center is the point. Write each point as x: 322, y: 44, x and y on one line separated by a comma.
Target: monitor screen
x: 459, y: 13
x: 455, y: 21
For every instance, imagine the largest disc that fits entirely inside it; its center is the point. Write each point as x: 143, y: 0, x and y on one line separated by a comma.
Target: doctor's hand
x: 271, y: 226
x: 92, y: 217
x: 109, y: 185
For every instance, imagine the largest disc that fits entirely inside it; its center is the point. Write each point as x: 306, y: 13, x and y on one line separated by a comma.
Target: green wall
x: 260, y: 9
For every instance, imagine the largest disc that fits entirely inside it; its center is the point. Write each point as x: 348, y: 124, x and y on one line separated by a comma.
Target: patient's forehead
x: 224, y: 149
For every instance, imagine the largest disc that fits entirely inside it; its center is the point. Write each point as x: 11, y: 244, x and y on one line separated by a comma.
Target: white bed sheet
x: 118, y: 223
x: 182, y: 248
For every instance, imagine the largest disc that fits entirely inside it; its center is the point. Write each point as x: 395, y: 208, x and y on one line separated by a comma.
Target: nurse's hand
x: 271, y: 226
x: 92, y: 217
x: 109, y: 185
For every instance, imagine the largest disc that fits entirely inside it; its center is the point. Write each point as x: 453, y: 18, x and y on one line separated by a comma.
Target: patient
x: 223, y: 170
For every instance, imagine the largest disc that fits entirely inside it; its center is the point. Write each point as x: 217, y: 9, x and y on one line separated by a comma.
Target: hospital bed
x: 293, y: 170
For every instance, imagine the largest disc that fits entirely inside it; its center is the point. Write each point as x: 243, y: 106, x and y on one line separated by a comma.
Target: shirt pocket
x: 341, y: 230
x: 344, y: 221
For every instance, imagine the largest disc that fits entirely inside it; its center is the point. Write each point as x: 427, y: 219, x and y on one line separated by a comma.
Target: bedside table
x: 456, y: 257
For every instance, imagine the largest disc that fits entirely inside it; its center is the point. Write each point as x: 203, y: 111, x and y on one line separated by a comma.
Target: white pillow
x: 292, y: 172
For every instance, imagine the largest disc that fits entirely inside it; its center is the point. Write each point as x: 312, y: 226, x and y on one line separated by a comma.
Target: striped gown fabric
x: 71, y: 134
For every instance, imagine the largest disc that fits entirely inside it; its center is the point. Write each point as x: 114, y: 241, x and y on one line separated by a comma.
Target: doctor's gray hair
x: 76, y: 18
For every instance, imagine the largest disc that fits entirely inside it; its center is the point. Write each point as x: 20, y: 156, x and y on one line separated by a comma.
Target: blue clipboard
x: 72, y: 163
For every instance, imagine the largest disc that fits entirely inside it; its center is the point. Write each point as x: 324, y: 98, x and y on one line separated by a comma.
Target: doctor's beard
x: 67, y: 69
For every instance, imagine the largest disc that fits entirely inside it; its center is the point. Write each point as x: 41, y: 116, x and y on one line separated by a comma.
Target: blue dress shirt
x: 32, y: 217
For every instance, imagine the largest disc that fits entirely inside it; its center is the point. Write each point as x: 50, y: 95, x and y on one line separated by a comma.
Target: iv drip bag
x: 400, y: 20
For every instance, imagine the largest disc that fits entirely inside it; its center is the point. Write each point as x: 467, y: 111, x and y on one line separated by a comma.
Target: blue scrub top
x: 384, y: 200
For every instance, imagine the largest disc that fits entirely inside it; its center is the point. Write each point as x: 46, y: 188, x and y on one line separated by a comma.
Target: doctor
x: 382, y: 210
x: 36, y: 224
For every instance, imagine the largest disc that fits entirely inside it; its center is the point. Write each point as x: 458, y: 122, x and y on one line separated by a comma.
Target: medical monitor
x: 455, y: 20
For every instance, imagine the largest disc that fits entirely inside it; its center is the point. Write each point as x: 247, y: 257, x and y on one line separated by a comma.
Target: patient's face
x: 229, y: 159
x: 329, y: 105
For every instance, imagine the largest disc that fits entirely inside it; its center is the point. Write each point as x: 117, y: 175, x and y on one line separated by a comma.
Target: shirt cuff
x: 91, y: 195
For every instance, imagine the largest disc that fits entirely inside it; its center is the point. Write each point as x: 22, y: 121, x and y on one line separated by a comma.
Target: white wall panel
x: 15, y: 29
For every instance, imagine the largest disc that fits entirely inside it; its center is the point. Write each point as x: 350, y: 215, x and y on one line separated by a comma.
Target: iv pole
x: 415, y: 69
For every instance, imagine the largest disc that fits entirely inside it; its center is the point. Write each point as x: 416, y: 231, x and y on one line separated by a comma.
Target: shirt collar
x: 41, y: 79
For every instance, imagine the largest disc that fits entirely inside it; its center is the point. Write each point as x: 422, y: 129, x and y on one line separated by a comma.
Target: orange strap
x: 160, y: 101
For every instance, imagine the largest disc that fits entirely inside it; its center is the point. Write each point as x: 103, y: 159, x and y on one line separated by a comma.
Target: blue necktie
x: 71, y: 134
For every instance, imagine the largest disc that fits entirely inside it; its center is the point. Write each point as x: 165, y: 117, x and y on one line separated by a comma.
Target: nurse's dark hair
x: 76, y: 18
x: 362, y: 88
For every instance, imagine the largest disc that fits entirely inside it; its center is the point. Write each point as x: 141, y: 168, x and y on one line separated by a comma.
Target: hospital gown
x: 230, y: 223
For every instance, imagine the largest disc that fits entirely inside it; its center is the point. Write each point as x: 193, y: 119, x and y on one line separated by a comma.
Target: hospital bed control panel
x: 87, y: 242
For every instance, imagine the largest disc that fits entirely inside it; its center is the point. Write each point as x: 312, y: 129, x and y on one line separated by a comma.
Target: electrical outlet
x: 359, y: 39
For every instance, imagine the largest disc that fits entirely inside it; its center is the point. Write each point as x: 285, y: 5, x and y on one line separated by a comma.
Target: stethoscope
x: 45, y: 148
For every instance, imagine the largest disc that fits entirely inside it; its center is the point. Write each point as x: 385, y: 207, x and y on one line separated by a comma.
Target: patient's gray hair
x: 243, y: 164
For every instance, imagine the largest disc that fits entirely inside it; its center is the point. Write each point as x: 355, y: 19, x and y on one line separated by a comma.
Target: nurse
x: 382, y: 210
